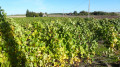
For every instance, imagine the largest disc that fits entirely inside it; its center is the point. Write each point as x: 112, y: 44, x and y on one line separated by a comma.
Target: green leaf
x: 31, y: 58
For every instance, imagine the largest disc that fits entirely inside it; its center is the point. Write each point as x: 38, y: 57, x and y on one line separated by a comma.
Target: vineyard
x: 64, y: 42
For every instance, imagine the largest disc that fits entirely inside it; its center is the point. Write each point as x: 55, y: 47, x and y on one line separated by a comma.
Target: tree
x: 36, y: 15
x: 2, y: 15
x: 113, y: 14
x: 0, y: 11
x: 99, y: 13
x: 33, y: 14
x: 27, y: 13
x: 46, y: 14
x: 83, y: 13
x: 41, y: 14
x: 75, y: 13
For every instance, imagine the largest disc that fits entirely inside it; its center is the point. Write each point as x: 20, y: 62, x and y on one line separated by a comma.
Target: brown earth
x: 98, y: 17
x: 16, y: 16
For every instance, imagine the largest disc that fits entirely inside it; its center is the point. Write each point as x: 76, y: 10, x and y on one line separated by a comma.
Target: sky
x: 13, y: 7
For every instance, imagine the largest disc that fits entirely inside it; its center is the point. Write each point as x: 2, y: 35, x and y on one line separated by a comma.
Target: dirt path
x: 16, y: 16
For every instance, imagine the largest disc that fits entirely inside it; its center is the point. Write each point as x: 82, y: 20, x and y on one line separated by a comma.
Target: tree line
x: 82, y: 13
x: 94, y: 13
x: 34, y: 14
